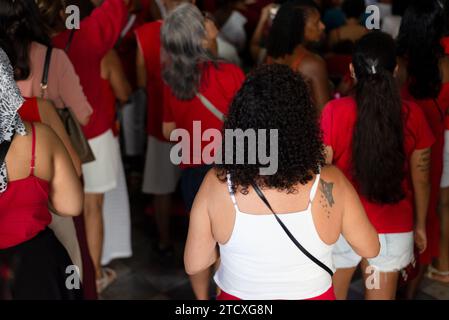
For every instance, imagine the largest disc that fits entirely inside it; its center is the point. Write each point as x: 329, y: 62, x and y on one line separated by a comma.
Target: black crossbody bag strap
x: 292, y: 238
x: 44, y: 81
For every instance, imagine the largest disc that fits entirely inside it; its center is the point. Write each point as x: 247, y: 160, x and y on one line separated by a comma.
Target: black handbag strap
x: 292, y: 238
x: 69, y: 42
x: 44, y: 81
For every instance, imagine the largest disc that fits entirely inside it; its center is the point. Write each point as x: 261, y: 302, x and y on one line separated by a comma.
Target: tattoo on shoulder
x: 327, y: 198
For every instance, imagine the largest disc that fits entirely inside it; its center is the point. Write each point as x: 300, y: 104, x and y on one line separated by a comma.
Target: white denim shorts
x: 396, y: 252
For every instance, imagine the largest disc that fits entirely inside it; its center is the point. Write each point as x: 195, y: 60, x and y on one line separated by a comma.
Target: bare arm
x: 66, y: 195
x: 420, y: 172
x: 113, y: 66
x: 200, y: 251
x: 316, y: 72
x: 167, y: 129
x: 51, y: 118
x: 141, y: 70
x: 258, y: 33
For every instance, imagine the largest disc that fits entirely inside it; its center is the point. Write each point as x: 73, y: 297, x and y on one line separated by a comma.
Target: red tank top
x: 30, y: 110
x: 24, y: 207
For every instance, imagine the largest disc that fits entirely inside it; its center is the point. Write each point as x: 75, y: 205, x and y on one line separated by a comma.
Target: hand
x: 266, y: 13
x: 421, y: 239
x: 211, y: 36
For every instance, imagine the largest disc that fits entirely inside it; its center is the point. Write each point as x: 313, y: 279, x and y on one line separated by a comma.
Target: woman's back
x: 258, y: 259
x: 50, y: 165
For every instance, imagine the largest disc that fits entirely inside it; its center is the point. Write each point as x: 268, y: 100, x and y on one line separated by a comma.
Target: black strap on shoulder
x: 69, y: 43
x: 44, y: 81
x: 292, y: 238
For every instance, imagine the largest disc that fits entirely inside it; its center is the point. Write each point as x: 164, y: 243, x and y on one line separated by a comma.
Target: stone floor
x: 144, y: 277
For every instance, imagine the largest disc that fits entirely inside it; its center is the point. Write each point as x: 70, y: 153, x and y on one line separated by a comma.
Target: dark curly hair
x: 275, y: 97
x: 421, y: 30
x: 378, y: 153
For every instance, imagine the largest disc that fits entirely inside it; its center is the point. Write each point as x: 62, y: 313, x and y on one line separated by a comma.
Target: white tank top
x: 260, y: 262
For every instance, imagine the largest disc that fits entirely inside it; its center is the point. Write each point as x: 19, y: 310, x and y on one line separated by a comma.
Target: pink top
x: 64, y: 88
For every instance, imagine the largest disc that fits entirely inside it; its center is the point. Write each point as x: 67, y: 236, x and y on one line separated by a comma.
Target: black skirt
x: 38, y: 270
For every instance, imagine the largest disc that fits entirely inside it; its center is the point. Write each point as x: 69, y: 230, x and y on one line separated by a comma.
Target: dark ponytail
x: 378, y: 153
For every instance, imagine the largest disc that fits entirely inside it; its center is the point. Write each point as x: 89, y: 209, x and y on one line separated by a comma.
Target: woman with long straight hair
x: 424, y: 75
x: 382, y: 144
x: 199, y: 90
x: 297, y: 24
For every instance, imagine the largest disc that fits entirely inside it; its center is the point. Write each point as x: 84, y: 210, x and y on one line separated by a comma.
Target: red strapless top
x: 24, y: 207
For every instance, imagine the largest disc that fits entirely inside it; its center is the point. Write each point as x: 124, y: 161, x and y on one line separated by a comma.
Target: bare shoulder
x: 332, y: 182
x: 313, y: 65
x: 212, y: 180
x: 45, y: 136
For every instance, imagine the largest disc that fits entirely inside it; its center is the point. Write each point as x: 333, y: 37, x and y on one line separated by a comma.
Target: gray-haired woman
x: 198, y: 93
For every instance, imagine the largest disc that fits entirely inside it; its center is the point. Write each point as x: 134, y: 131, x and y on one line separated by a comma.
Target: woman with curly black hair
x: 425, y: 75
x: 382, y: 144
x: 315, y: 203
x: 297, y: 24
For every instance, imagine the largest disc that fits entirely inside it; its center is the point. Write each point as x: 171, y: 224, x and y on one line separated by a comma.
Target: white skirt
x: 117, y: 218
x: 161, y: 176
x: 100, y: 176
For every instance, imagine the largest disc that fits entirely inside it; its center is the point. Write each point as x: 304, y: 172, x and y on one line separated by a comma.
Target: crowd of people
x: 362, y: 129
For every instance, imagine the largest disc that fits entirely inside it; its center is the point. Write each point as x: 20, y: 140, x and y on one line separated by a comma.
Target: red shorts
x: 328, y: 295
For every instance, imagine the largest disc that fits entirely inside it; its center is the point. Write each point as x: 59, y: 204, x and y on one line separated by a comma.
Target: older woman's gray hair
x: 184, y: 49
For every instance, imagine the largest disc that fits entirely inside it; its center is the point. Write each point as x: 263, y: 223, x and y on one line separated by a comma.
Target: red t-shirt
x: 219, y: 85
x: 98, y: 34
x: 338, y: 120
x: 149, y: 41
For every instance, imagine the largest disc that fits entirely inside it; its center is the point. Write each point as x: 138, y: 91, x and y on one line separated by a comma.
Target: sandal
x: 437, y: 275
x: 108, y: 277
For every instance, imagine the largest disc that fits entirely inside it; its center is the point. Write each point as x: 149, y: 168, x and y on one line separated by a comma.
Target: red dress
x: 97, y: 35
x: 435, y: 111
x: 24, y: 207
